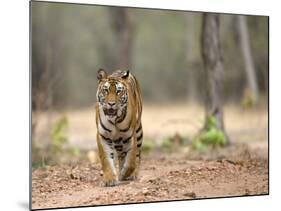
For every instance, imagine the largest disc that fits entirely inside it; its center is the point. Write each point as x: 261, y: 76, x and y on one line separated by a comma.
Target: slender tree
x: 245, y: 47
x: 213, y: 67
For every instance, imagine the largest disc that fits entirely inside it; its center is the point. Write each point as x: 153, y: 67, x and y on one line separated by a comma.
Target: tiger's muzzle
x: 110, y: 111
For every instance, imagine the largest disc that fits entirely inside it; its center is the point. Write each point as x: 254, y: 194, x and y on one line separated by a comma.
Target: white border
x: 14, y: 95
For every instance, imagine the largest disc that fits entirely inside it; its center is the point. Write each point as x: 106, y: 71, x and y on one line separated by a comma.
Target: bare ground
x: 234, y: 171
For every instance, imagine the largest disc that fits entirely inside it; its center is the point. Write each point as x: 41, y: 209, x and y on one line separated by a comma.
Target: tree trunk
x: 213, y: 67
x: 123, y: 27
x: 244, y: 43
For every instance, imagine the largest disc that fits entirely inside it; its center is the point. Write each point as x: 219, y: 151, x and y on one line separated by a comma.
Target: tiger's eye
x: 118, y: 91
x: 105, y: 89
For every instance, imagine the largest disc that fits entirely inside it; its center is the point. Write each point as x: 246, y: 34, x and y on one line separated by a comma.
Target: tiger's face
x: 112, y: 95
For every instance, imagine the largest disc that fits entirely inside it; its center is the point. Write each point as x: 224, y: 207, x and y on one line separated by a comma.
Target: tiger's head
x: 112, y: 92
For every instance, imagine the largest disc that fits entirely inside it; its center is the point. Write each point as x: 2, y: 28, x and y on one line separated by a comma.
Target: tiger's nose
x: 111, y: 103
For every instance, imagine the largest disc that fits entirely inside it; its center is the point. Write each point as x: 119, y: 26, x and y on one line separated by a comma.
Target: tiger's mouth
x: 110, y: 112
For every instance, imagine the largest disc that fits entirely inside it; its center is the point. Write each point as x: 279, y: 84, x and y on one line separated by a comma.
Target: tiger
x: 119, y: 128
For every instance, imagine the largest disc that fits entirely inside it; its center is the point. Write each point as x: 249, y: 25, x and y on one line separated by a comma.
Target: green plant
x: 148, y: 145
x: 166, y: 145
x: 210, y: 136
x: 75, y: 151
x: 58, y: 135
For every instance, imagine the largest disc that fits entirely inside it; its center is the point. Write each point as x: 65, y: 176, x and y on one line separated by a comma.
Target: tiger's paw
x: 110, y: 183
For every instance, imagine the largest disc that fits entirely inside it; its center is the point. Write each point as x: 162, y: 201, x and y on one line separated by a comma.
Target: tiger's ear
x: 125, y: 74
x: 101, y: 74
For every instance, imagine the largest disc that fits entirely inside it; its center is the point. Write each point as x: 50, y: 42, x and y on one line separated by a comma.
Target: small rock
x: 190, y: 194
x: 145, y: 191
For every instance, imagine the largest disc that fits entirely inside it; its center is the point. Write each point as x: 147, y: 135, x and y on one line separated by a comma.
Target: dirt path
x: 162, y: 177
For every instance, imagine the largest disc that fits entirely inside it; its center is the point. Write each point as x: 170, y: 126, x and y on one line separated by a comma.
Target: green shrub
x: 75, y: 151
x: 166, y: 145
x: 148, y: 145
x: 210, y: 136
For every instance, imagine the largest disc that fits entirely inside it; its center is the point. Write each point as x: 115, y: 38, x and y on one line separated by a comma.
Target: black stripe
x: 107, y: 139
x: 118, y: 147
x: 111, y: 155
x: 127, y: 140
x: 111, y: 122
x: 139, y: 145
x: 139, y: 128
x: 117, y: 141
x: 102, y: 125
x: 140, y: 137
x: 126, y: 129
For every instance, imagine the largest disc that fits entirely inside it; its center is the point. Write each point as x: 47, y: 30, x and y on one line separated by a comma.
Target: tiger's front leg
x: 106, y: 155
x: 127, y: 163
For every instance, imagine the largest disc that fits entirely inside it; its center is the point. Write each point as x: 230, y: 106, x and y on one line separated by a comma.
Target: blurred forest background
x: 163, y: 49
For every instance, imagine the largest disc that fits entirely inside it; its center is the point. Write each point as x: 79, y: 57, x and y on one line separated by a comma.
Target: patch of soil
x: 162, y: 177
